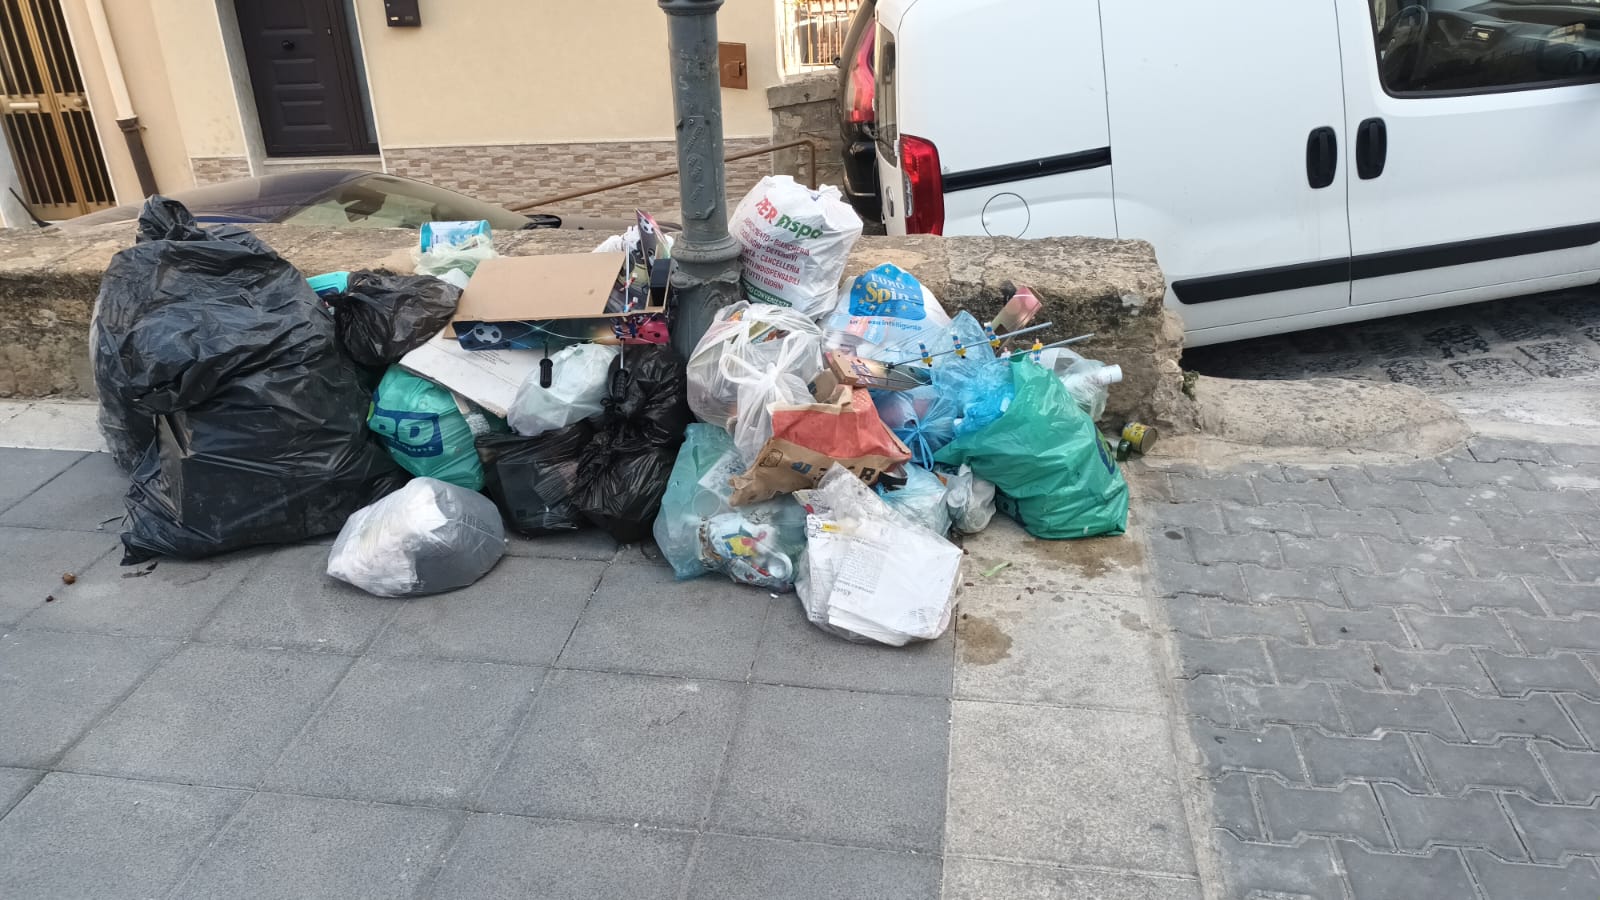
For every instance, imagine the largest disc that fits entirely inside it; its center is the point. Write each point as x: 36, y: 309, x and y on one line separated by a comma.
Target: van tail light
x: 863, y: 84
x: 919, y: 160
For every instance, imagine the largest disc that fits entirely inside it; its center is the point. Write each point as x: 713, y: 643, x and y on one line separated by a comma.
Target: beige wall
x: 547, y: 71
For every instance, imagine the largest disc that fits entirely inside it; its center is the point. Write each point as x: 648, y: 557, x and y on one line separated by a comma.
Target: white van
x: 1296, y: 163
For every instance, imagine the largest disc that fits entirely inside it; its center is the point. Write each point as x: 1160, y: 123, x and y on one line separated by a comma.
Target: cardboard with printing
x: 535, y: 302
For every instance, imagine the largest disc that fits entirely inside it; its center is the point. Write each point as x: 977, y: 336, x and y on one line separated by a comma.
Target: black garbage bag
x: 380, y: 318
x: 216, y: 348
x: 623, y: 472
x: 533, y: 479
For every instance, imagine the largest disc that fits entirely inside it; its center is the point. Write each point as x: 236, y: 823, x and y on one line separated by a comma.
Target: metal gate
x: 46, y: 113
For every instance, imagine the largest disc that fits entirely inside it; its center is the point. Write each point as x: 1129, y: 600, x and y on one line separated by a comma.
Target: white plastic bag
x: 969, y: 498
x: 867, y: 574
x: 796, y: 243
x: 886, y: 312
x: 748, y: 343
x: 577, y: 391
x: 426, y: 538
x: 922, y: 500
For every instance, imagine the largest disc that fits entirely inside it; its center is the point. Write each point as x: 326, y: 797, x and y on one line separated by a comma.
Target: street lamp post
x: 707, y: 276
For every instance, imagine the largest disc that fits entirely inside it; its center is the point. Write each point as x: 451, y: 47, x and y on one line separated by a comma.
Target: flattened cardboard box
x: 529, y: 302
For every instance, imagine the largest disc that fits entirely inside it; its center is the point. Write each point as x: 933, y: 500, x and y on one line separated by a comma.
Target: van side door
x: 1473, y: 132
x: 1227, y: 133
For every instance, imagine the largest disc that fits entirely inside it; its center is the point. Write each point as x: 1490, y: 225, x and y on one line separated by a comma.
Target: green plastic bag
x: 1045, y: 454
x: 424, y: 431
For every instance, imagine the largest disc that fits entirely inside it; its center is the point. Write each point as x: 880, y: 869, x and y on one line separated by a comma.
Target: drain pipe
x: 126, y: 120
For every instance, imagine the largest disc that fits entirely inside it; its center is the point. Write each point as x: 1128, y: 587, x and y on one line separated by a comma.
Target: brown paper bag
x: 808, y: 438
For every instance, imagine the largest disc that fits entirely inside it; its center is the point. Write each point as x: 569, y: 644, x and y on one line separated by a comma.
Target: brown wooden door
x: 45, y: 114
x: 302, y: 71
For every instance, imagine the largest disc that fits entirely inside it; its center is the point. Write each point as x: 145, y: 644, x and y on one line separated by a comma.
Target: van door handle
x: 1372, y: 148
x: 1322, y: 157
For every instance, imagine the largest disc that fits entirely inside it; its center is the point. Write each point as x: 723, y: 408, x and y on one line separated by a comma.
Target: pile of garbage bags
x: 827, y: 436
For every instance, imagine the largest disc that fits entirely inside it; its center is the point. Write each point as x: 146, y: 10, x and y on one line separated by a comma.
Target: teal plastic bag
x: 1045, y: 454
x: 424, y: 431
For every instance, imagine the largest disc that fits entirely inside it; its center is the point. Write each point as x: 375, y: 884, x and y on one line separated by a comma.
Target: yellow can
x: 1139, y: 437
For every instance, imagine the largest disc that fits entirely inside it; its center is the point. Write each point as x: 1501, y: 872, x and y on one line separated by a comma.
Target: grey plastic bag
x: 426, y: 538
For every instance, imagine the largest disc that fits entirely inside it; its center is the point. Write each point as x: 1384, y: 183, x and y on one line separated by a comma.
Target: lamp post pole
x: 707, y: 276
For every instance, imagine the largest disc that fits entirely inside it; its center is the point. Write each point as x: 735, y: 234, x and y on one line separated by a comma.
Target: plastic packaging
x: 970, y: 499
x: 1089, y: 381
x: 886, y: 313
x: 1045, y: 453
x: 454, y: 262
x: 533, y: 480
x: 867, y: 575
x: 445, y: 234
x: 922, y: 500
x: 796, y: 243
x: 924, y: 419
x: 623, y: 472
x: 380, y: 318
x: 808, y: 438
x: 745, y: 344
x: 216, y: 362
x: 577, y: 390
x: 424, y: 429
x: 699, y: 531
x: 426, y: 538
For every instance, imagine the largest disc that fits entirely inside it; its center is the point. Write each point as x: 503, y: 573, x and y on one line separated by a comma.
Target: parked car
x: 857, y: 87
x: 1328, y: 163
x: 344, y: 198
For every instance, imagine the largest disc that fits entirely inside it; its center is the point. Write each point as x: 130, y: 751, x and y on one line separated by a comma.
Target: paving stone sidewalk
x: 1392, y: 674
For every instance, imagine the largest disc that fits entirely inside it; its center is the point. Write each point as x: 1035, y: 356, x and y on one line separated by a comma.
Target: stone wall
x: 807, y: 108
x: 515, y: 173
x: 48, y: 282
x: 212, y: 169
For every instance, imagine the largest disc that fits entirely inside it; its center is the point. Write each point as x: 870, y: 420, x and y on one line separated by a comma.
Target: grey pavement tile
x: 1553, y: 832
x: 837, y: 766
x: 977, y: 879
x: 106, y: 838
x: 1575, y: 773
x: 1474, y: 819
x: 1272, y: 870
x: 625, y: 748
x: 14, y: 785
x: 794, y: 651
x: 1583, y: 564
x: 1244, y: 658
x: 1171, y: 543
x: 1360, y: 493
x: 1186, y: 615
x: 1498, y: 880
x: 1205, y: 697
x: 1203, y: 514
x: 1465, y: 594
x: 34, y: 561
x: 1379, y: 876
x: 592, y: 544
x: 1458, y: 767
x: 511, y: 858
x: 643, y: 620
x: 1492, y: 449
x: 1268, y: 585
x: 1308, y: 553
x: 1346, y: 663
x: 1315, y: 492
x: 1330, y: 626
x: 1221, y: 580
x: 1305, y: 704
x: 1542, y: 635
x: 288, y: 600
x: 1012, y: 767
x: 1233, y: 807
x: 1333, y: 761
x: 1457, y: 525
x: 1568, y: 599
x: 1228, y: 489
x: 408, y: 731
x: 287, y: 848
x: 1257, y: 547
x: 210, y: 715
x: 1246, y: 519
x: 81, y: 498
x: 1348, y: 811
x: 1504, y: 473
x: 1461, y: 499
x: 1268, y: 749
x: 1427, y: 557
x: 1437, y: 632
x: 1516, y: 675
x: 1404, y: 589
x: 1587, y: 714
x: 1510, y: 528
x: 1574, y: 454
x: 522, y: 613
x: 1229, y: 620
x: 54, y: 685
x: 1407, y: 670
x: 1487, y: 719
x: 173, y: 600
x: 1343, y: 522
x: 1550, y: 503
x: 730, y: 867
x: 24, y: 471
x: 1424, y: 710
x: 1495, y: 561
x: 1428, y: 470
x: 1063, y: 649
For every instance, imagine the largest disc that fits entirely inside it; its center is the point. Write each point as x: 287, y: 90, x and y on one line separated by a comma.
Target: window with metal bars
x: 812, y: 32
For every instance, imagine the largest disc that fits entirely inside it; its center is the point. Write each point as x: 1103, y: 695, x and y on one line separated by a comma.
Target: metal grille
x: 815, y: 31
x: 45, y: 113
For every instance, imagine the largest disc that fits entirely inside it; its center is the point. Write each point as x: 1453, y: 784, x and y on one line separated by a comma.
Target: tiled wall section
x: 513, y: 173
x: 212, y: 169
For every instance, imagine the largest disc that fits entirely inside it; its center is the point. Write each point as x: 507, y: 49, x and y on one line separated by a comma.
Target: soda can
x: 1140, y: 438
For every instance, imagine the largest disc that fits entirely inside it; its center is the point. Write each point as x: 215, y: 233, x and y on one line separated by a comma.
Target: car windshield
x: 388, y: 201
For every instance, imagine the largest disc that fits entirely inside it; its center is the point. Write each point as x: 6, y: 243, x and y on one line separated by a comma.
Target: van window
x: 887, y: 99
x: 1478, y: 46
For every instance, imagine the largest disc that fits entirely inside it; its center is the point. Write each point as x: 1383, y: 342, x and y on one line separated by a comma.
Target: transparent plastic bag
x: 1089, y: 381
x: 970, y: 499
x: 426, y: 538
x: 577, y: 391
x: 922, y: 500
x: 443, y: 259
x: 747, y: 343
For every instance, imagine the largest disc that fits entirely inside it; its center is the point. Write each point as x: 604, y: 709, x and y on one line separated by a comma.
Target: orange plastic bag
x: 808, y: 438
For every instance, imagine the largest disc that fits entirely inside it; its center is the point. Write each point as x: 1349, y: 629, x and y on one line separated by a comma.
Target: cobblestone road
x: 1391, y: 673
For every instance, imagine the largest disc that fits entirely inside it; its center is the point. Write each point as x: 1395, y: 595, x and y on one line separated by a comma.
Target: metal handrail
x: 811, y: 169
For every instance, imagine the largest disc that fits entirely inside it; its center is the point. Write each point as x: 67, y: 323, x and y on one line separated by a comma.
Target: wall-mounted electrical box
x: 732, y: 61
x: 402, y: 13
